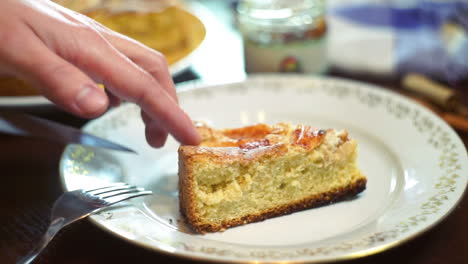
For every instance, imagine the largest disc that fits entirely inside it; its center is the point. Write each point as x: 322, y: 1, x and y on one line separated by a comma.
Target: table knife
x: 22, y: 124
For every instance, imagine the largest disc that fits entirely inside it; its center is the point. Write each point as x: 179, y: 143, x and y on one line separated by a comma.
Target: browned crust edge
x: 185, y: 188
x: 313, y: 201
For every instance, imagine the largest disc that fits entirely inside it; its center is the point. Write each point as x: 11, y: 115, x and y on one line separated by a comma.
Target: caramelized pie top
x: 262, y: 135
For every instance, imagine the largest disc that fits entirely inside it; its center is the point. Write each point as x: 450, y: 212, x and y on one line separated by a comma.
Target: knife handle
x: 435, y: 92
x: 447, y: 98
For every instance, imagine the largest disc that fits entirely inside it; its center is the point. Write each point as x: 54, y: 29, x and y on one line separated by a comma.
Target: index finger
x: 150, y: 60
x: 132, y: 83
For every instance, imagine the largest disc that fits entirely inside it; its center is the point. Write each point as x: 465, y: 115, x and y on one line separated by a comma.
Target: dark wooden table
x: 29, y: 183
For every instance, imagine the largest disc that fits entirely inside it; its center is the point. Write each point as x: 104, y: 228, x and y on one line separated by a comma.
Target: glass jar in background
x: 284, y: 35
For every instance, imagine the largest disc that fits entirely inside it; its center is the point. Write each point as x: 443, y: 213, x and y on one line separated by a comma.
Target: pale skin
x: 65, y: 55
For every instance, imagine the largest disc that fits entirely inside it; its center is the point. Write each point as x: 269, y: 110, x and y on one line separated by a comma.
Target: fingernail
x: 90, y: 100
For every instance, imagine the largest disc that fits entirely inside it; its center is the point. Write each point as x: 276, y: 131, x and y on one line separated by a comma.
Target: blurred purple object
x: 430, y: 36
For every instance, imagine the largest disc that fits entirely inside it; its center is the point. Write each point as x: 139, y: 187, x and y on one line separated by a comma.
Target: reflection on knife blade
x: 26, y: 125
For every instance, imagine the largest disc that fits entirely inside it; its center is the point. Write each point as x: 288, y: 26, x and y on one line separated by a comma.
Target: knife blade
x: 22, y: 124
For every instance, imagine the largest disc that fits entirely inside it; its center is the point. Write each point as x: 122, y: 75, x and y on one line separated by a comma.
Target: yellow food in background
x: 174, y: 32
x: 156, y: 30
x: 15, y: 87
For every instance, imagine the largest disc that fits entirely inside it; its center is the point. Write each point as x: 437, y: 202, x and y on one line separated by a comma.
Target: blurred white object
x: 395, y: 37
x: 358, y: 48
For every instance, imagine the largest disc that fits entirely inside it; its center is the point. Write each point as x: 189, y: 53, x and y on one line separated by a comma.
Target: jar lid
x: 281, y: 13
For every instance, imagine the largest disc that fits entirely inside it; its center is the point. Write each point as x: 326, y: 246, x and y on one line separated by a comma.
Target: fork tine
x: 112, y: 189
x: 115, y: 193
x: 122, y: 197
x: 107, y: 186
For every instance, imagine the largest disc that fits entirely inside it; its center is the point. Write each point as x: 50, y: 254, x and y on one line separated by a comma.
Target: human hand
x: 64, y: 54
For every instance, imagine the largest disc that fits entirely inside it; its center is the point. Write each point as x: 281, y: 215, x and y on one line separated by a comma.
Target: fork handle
x: 52, y: 230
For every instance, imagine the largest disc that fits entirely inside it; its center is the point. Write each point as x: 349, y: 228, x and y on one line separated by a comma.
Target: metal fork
x: 76, y: 205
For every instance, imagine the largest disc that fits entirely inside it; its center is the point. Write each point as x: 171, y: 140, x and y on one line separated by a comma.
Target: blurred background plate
x: 174, y: 28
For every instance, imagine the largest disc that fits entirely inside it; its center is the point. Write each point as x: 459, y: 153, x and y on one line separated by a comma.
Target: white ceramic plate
x: 417, y: 171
